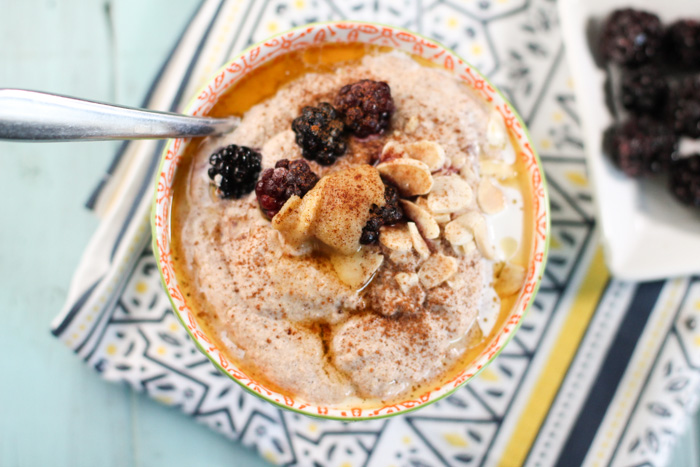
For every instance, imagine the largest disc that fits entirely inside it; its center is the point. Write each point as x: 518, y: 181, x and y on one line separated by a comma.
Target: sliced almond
x: 423, y: 219
x: 429, y: 152
x: 476, y: 223
x: 439, y: 218
x: 396, y: 237
x: 496, y: 133
x: 357, y: 270
x: 509, y: 246
x: 449, y: 194
x: 442, y: 219
x: 497, y: 267
x: 406, y: 281
x: 491, y: 199
x: 391, y: 150
x: 411, y: 177
x: 459, y: 160
x: 464, y: 250
x: 467, y: 173
x: 436, y: 270
x: 411, y: 124
x: 468, y: 248
x: 418, y: 242
x: 510, y: 280
x: 497, y: 170
x: 422, y: 201
x: 458, y: 234
x: 489, y: 310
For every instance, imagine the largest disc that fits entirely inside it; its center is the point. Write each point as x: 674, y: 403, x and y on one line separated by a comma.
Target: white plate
x: 646, y: 234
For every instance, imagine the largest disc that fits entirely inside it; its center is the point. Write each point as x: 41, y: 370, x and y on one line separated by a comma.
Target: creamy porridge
x: 322, y: 297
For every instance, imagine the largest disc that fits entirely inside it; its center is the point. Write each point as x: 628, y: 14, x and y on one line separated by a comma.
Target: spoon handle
x: 36, y: 116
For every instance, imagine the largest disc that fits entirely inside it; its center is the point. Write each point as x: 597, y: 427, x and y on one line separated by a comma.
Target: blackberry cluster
x: 367, y: 106
x: 640, y: 146
x: 684, y: 106
x: 631, y: 37
x: 685, y: 180
x: 663, y: 106
x: 644, y: 90
x: 683, y: 43
x: 320, y: 133
x: 234, y: 170
x: 389, y: 214
x: 287, y: 179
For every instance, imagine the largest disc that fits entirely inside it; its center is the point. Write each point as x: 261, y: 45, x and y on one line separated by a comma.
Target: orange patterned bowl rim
x: 350, y: 32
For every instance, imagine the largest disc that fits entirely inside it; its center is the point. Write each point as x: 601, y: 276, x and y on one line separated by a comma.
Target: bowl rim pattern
x: 350, y: 32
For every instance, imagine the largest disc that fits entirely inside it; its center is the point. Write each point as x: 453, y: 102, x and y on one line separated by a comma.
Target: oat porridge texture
x: 284, y: 310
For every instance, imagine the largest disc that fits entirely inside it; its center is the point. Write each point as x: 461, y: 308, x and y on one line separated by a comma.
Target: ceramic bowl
x: 350, y: 32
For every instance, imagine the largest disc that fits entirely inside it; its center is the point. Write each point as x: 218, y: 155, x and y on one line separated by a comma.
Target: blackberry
x: 640, y: 146
x: 631, y: 37
x: 320, y: 133
x: 234, y: 170
x: 367, y: 106
x: 287, y: 179
x: 685, y: 180
x: 644, y: 90
x: 389, y: 214
x: 683, y: 43
x: 370, y: 232
x: 684, y: 106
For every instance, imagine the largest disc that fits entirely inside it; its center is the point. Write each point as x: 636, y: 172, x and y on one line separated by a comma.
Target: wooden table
x: 56, y: 411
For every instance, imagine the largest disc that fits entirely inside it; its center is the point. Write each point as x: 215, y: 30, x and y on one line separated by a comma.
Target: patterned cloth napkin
x: 601, y: 372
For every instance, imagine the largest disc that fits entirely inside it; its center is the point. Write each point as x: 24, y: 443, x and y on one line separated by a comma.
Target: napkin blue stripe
x: 155, y: 157
x: 75, y: 309
x: 651, y: 370
x: 148, y: 181
x: 103, y: 318
x: 238, y: 32
x: 553, y: 185
x: 610, y: 374
x: 294, y: 460
x: 193, y: 62
x: 338, y: 12
x: 558, y: 56
x: 559, y: 290
x: 97, y: 191
x: 261, y: 12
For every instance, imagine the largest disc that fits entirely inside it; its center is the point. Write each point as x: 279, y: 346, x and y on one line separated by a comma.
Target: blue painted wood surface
x: 53, y: 409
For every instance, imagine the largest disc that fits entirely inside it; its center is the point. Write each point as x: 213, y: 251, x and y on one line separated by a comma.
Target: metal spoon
x: 37, y: 116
